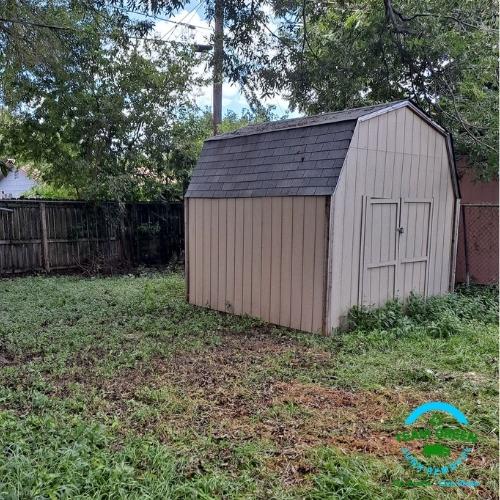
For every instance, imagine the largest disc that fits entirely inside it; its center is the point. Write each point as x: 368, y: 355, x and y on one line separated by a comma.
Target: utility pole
x: 218, y: 64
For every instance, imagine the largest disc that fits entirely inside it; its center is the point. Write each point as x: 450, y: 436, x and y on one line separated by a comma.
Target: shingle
x: 268, y: 183
x: 288, y: 183
x: 302, y: 124
x: 218, y: 194
x: 341, y: 135
x: 323, y: 191
x: 317, y: 147
x: 254, y: 184
x: 259, y: 192
x: 283, y: 163
x: 308, y: 191
x: 319, y: 181
x: 294, y: 141
x: 296, y: 173
x: 313, y: 172
x: 234, y: 148
x: 324, y: 138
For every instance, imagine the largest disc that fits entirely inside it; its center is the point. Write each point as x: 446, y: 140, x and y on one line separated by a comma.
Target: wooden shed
x: 296, y: 221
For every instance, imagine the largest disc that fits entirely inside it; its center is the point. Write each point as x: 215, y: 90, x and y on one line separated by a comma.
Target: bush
x: 389, y: 316
x: 442, y: 316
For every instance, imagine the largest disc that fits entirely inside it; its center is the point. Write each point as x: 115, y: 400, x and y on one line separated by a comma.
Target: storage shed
x: 298, y: 220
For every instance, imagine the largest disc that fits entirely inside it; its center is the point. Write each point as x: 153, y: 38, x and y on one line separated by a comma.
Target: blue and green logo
x: 437, y: 441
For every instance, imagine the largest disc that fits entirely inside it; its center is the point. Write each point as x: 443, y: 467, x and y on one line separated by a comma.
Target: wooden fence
x: 50, y: 236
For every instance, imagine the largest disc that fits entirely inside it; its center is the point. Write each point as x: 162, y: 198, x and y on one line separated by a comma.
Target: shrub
x: 442, y: 316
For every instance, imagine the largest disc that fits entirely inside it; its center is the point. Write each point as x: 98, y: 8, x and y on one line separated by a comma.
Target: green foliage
x: 189, y: 134
x: 90, y: 407
x: 441, y: 315
x: 425, y: 342
x: 442, y: 54
x: 351, y: 477
x: 100, y: 108
x: 54, y: 456
x: 389, y: 316
x: 51, y: 192
x: 94, y: 112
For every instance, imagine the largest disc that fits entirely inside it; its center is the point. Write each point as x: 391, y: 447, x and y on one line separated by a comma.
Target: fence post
x: 466, y: 248
x: 45, y: 239
x: 125, y: 244
x: 454, y: 244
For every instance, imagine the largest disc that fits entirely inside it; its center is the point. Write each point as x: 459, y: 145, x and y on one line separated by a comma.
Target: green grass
x: 115, y: 387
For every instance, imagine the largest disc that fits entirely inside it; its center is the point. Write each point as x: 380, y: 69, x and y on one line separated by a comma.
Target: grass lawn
x: 115, y: 387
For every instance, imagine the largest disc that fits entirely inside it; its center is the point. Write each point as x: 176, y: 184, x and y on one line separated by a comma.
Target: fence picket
x: 59, y: 235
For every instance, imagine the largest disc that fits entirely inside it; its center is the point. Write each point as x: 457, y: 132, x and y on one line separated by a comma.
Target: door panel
x: 395, y: 241
x: 380, y: 251
x: 414, y: 246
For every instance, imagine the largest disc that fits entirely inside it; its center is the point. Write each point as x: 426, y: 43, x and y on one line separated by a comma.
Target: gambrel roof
x: 296, y: 157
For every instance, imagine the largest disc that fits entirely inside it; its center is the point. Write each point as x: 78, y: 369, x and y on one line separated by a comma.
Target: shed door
x: 414, y: 246
x: 395, y: 249
x: 380, y: 256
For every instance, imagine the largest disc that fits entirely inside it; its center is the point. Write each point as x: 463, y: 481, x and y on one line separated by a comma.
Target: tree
x: 247, y: 38
x: 106, y: 118
x: 336, y: 54
x: 442, y: 54
x: 99, y: 117
x: 189, y: 134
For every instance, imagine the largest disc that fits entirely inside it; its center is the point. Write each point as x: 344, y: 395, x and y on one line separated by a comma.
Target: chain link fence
x: 477, y: 253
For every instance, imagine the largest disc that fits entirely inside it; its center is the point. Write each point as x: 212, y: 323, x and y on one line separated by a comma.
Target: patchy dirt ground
x: 170, y: 397
x: 248, y: 386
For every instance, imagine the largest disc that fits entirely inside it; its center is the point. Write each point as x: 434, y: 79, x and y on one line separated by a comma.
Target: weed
x: 117, y: 388
x: 442, y: 317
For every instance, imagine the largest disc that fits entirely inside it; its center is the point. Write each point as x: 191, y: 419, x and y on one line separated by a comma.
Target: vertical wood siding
x: 393, y: 155
x: 264, y: 257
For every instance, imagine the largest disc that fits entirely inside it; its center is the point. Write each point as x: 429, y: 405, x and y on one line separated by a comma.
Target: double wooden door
x: 395, y: 244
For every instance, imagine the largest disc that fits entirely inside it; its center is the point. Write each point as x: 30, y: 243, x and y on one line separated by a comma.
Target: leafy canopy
x: 442, y: 54
x: 104, y: 112
x: 327, y: 56
x: 93, y: 108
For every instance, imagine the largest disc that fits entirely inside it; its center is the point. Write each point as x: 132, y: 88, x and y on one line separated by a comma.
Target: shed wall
x: 265, y: 257
x: 393, y: 155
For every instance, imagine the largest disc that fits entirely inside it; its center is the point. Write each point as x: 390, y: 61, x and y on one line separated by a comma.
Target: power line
x: 25, y: 22
x: 192, y: 11
x: 171, y: 42
x: 159, y: 18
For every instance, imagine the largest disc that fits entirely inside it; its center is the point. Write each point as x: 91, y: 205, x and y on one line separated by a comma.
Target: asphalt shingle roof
x: 297, y: 157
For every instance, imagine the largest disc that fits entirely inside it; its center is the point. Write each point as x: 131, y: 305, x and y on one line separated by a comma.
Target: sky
x: 232, y: 97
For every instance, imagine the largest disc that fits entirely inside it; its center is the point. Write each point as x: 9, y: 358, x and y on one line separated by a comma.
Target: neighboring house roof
x: 300, y: 156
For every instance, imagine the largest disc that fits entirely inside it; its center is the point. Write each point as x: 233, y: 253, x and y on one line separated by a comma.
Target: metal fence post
x: 466, y: 248
x: 454, y: 244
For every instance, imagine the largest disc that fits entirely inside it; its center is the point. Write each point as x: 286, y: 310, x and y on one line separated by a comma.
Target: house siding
x: 15, y: 184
